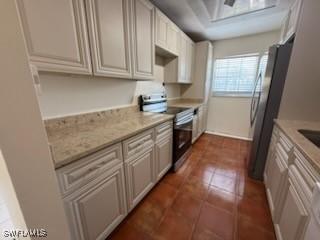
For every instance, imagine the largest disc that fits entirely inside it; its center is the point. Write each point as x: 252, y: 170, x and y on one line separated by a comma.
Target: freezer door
x: 255, y: 99
x: 260, y: 108
x: 272, y: 88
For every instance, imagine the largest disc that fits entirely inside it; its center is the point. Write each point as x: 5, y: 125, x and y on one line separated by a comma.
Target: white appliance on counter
x: 313, y: 230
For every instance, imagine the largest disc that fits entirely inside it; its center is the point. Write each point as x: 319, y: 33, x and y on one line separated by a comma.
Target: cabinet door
x: 292, y: 20
x: 189, y: 61
x: 277, y: 175
x: 96, y: 209
x: 163, y: 156
x: 195, y: 123
x: 173, y: 38
x: 200, y: 121
x: 110, y: 37
x: 140, y: 177
x: 56, y: 35
x: 183, y: 60
x: 293, y: 218
x: 143, y: 39
x: 161, y: 30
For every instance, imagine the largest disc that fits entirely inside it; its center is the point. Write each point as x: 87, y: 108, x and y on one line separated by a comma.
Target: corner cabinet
x: 56, y: 42
x: 110, y: 35
x: 143, y: 39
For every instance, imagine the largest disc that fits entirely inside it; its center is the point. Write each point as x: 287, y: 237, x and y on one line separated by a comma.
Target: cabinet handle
x: 93, y: 169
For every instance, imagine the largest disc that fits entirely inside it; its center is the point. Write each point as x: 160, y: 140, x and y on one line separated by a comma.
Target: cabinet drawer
x: 282, y: 153
x: 164, y: 129
x: 285, y: 142
x: 138, y: 144
x: 77, y: 174
x: 305, y: 171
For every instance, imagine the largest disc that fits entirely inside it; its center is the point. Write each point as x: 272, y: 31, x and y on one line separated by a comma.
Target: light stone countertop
x: 310, y: 150
x: 73, y: 142
x: 186, y: 103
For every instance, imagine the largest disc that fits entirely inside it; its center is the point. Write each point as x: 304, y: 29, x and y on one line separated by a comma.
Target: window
x: 237, y: 75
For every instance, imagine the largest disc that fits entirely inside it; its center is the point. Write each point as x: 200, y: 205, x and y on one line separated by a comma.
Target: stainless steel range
x: 182, y: 127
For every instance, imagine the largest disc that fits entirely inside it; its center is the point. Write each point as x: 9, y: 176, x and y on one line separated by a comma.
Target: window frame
x: 260, y: 55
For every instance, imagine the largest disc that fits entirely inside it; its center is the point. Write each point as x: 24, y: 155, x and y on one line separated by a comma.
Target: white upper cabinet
x: 190, y: 57
x: 180, y: 69
x: 173, y: 38
x: 143, y: 39
x: 167, y: 34
x: 182, y: 75
x: 185, y: 59
x: 291, y: 21
x: 56, y: 35
x: 109, y: 27
x: 161, y: 29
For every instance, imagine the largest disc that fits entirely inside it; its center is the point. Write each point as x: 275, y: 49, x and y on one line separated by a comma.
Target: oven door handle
x: 189, y: 119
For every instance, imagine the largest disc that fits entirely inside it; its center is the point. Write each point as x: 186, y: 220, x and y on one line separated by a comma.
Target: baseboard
x: 228, y: 135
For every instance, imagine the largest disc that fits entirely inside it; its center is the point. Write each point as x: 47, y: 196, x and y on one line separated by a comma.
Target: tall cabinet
x: 56, y: 35
x: 200, y: 88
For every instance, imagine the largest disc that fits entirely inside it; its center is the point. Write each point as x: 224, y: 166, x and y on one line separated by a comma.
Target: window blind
x: 235, y: 75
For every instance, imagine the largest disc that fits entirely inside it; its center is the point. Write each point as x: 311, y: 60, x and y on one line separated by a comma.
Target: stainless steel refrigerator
x: 265, y: 105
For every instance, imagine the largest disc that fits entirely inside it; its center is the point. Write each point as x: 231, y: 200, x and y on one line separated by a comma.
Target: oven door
x: 182, y: 137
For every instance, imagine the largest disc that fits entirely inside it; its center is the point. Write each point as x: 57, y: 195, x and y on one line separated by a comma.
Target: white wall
x: 10, y: 212
x: 230, y: 115
x: 64, y: 94
x: 23, y: 139
x: 301, y: 96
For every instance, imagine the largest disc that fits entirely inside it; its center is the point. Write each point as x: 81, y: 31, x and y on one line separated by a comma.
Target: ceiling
x: 212, y: 20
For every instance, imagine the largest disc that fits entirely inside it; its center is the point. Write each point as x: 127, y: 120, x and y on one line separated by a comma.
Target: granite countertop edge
x: 76, y: 157
x: 310, y: 151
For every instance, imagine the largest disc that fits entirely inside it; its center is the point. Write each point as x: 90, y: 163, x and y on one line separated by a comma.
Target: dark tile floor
x: 210, y: 197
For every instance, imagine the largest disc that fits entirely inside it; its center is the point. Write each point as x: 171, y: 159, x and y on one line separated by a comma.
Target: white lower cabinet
x: 199, y: 123
x: 97, y: 208
x: 195, y: 128
x: 163, y: 156
x: 99, y: 190
x: 140, y: 177
x: 277, y: 177
x: 294, y: 217
x: 290, y: 180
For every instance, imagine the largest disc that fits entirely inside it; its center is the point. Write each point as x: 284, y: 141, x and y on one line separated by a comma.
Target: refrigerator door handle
x: 255, y: 100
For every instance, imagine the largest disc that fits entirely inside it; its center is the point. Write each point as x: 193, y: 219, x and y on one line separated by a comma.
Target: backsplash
x: 66, y: 94
x: 108, y: 116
